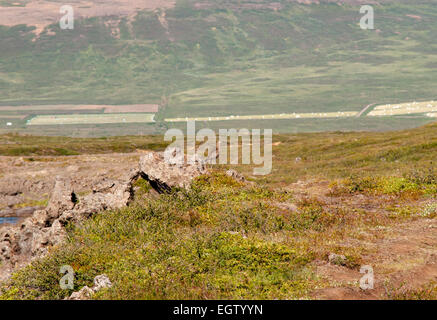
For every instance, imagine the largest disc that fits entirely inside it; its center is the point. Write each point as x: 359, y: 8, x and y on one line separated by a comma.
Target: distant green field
x: 221, y: 61
x: 91, y: 118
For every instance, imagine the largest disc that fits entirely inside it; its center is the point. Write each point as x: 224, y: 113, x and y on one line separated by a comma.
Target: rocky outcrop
x: 20, y: 212
x: 63, y: 198
x: 164, y: 175
x: 83, y: 294
x: 32, y: 238
x: 234, y: 174
x: 45, y: 228
x: 337, y: 259
x: 107, y: 194
x: 12, y: 190
x: 100, y: 282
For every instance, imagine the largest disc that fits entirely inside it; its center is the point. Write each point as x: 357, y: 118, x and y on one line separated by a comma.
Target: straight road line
x: 365, y: 109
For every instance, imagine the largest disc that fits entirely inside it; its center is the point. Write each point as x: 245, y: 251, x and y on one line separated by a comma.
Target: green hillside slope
x: 222, y: 59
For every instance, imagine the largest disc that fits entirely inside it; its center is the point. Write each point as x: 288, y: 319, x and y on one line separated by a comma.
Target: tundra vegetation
x: 364, y: 198
x: 264, y: 238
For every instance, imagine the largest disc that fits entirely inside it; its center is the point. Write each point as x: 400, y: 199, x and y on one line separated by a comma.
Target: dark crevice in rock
x: 156, y: 184
x: 74, y: 198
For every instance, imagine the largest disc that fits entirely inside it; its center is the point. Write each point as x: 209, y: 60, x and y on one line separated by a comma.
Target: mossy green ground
x: 199, y: 244
x: 225, y: 239
x: 221, y: 240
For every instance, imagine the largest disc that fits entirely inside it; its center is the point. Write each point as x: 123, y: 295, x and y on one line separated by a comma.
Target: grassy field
x: 81, y: 120
x: 219, y: 61
x: 90, y: 119
x: 26, y: 145
x: 327, y: 155
x: 71, y: 107
x: 224, y: 239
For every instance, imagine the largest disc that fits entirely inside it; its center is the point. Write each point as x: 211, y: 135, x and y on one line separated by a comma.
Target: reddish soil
x: 107, y: 108
x: 41, y: 13
x: 406, y: 260
x: 23, y: 181
x: 403, y: 255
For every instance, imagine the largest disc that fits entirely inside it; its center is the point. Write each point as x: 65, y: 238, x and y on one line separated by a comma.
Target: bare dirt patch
x: 403, y: 254
x: 29, y: 179
x: 404, y: 260
x: 413, y: 16
x: 43, y: 13
x: 132, y: 108
x: 107, y: 108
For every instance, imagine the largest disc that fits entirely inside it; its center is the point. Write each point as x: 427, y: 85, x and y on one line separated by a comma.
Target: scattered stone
x: 11, y: 201
x: 24, y: 212
x: 83, y: 294
x: 8, y: 212
x: 234, y: 174
x: 72, y: 168
x: 100, y: 282
x: 164, y: 176
x: 337, y: 259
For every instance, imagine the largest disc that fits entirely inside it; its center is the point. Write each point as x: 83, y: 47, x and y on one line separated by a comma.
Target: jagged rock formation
x: 11, y: 190
x: 31, y: 239
x: 100, y: 282
x: 337, y: 259
x: 20, y: 212
x: 165, y: 175
x: 45, y: 228
x: 234, y: 174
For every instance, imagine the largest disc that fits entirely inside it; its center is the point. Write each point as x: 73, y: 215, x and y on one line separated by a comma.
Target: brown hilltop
x: 41, y: 13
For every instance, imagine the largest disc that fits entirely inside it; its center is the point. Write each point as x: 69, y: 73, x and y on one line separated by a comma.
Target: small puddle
x: 9, y: 220
x: 13, y: 216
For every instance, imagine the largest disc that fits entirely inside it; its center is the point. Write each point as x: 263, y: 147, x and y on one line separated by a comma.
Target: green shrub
x: 212, y: 241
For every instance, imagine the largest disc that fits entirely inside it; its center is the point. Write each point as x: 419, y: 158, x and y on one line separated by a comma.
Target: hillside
x: 327, y: 155
x: 367, y: 197
x: 216, y: 58
x: 89, y: 198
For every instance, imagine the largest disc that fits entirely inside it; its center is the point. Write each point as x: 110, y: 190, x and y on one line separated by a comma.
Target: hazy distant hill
x: 220, y: 58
